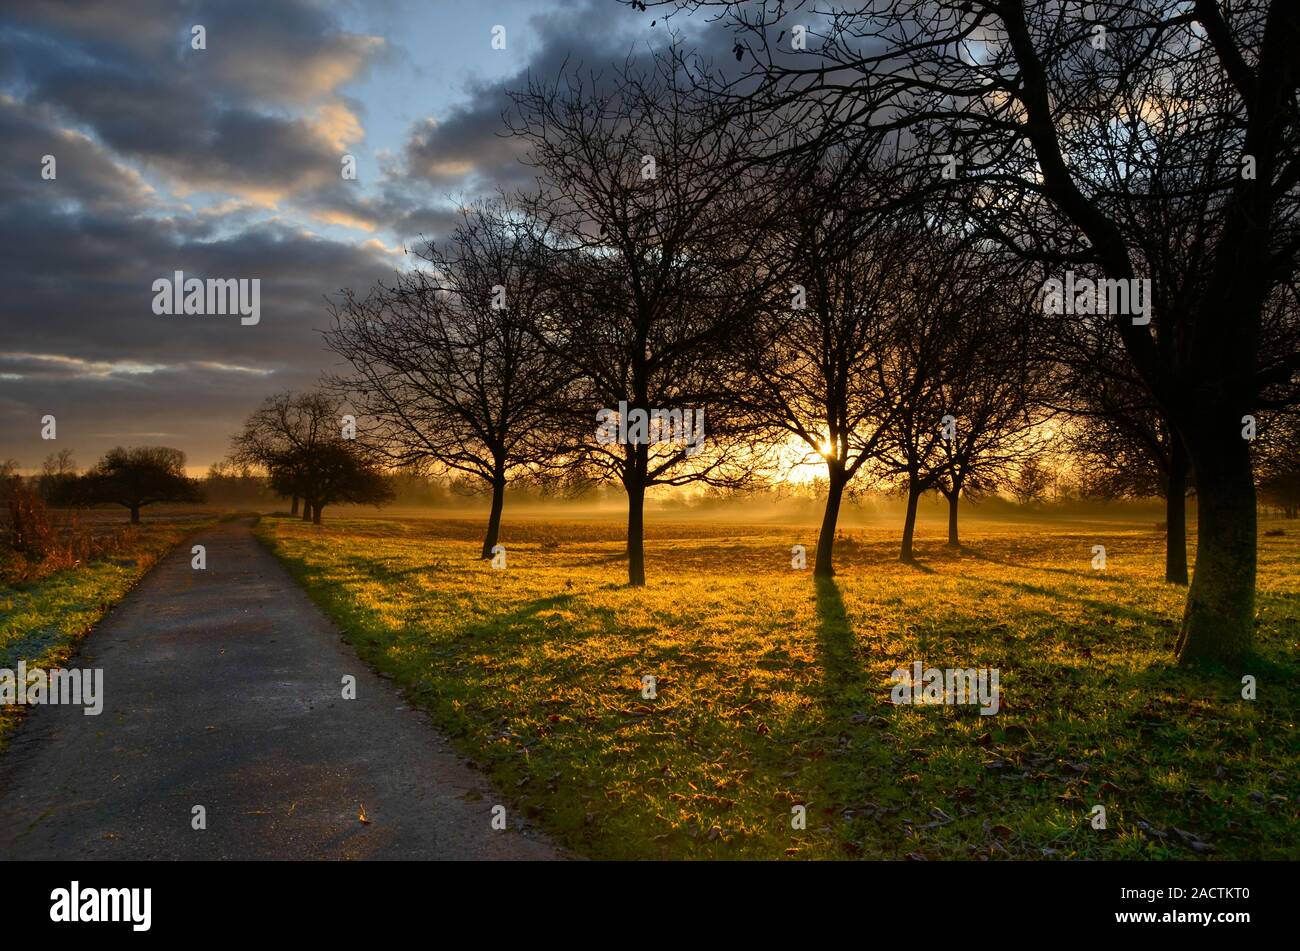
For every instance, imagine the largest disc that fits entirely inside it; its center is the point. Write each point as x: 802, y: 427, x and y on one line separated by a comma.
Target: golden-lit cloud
x: 344, y: 219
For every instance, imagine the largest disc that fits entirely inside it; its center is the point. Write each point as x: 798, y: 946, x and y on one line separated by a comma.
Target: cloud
x: 258, y: 113
x: 468, y: 148
x: 85, y: 174
x: 61, y: 366
x: 80, y: 339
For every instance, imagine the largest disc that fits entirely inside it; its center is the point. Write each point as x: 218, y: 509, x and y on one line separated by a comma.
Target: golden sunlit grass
x: 774, y: 691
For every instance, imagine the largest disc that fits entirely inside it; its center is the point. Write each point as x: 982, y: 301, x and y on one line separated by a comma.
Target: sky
x: 225, y: 162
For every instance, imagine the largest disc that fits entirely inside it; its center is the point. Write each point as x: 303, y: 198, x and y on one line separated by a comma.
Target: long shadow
x: 1102, y: 607
x: 836, y: 641
x: 1068, y: 572
x: 847, y: 755
x: 522, y: 619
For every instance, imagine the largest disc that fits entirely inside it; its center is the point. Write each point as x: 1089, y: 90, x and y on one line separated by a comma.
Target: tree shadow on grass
x: 835, y: 640
x: 848, y: 759
x: 523, y: 621
x: 1077, y: 573
x: 1101, y: 607
x: 525, y: 625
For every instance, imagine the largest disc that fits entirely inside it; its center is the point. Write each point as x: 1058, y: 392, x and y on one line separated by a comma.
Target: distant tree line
x: 305, y: 444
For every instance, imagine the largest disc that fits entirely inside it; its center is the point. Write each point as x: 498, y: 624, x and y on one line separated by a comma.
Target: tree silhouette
x: 134, y: 478
x: 282, y: 432
x: 445, y: 366
x: 655, y: 214
x: 1054, y: 135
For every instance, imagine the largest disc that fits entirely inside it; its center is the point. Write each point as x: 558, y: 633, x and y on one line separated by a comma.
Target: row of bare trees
x: 669, y: 261
x: 844, y: 249
x: 1156, y: 139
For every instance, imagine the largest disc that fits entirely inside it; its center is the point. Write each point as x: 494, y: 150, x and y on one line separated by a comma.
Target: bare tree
x: 958, y: 372
x: 57, y: 472
x: 655, y: 217
x: 444, y: 364
x: 1125, y: 449
x: 816, y: 354
x: 282, y: 433
x: 328, y: 471
x: 1000, y: 403
x: 921, y: 363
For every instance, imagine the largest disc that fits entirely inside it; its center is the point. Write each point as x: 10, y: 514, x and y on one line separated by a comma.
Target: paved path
x: 223, y: 689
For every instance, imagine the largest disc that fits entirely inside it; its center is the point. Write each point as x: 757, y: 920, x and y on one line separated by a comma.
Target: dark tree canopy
x: 137, y: 477
x: 282, y: 434
x: 327, y: 472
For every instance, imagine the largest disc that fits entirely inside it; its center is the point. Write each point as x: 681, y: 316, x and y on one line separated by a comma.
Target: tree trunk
x: 294, y: 509
x: 1176, y: 514
x: 953, y: 540
x: 909, y: 525
x: 315, y: 514
x: 824, y: 566
x: 636, y: 516
x: 306, y: 510
x: 1219, y: 620
x: 135, y: 515
x: 494, y: 520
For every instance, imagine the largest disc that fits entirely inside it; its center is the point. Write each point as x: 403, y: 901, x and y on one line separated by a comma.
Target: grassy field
x: 41, y: 621
x: 774, y: 692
